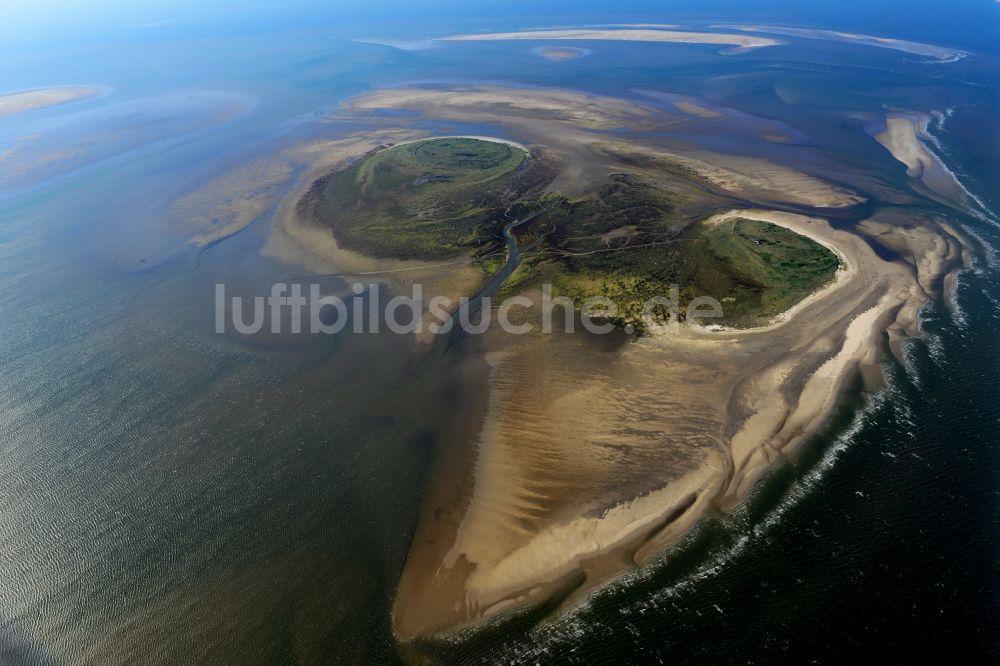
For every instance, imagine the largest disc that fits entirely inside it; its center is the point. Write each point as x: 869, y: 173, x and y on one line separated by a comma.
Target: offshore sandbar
x: 904, y: 136
x: 628, y: 34
x: 29, y: 100
x: 939, y: 53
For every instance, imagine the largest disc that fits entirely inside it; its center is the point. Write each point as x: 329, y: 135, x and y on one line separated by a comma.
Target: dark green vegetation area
x: 429, y: 199
x: 440, y: 198
x: 624, y: 243
x: 768, y: 267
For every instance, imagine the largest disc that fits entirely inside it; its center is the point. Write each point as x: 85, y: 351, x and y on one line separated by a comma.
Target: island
x: 624, y: 239
x: 581, y: 456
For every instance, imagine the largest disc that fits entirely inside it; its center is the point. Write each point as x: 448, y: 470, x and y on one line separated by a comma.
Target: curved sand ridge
x: 479, y: 137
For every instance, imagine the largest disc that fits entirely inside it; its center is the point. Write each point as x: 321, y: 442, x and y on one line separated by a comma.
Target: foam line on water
x: 981, y: 209
x: 958, y: 313
x: 575, y: 625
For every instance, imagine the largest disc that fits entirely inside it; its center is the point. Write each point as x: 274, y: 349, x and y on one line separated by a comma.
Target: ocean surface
x: 169, y: 495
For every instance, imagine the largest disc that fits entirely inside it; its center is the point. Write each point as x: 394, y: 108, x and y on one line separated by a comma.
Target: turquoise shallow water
x: 168, y: 495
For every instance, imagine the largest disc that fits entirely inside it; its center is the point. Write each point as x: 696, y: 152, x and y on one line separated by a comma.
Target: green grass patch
x: 437, y: 198
x: 768, y: 267
x: 754, y: 269
x: 427, y: 199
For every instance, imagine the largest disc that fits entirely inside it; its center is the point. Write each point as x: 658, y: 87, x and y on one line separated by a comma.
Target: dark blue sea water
x: 168, y: 495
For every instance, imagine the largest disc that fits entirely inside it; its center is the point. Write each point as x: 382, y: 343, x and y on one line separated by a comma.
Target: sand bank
x: 938, y: 53
x: 229, y: 202
x: 761, y: 180
x: 693, y: 109
x: 750, y: 178
x: 904, y: 137
x: 592, y: 459
x: 29, y: 100
x: 495, y: 103
x: 742, y: 42
x: 561, y: 120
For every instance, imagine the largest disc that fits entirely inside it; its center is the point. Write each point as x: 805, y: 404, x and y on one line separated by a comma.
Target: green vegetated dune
x: 427, y: 199
x: 771, y: 267
x: 754, y: 269
x: 441, y: 198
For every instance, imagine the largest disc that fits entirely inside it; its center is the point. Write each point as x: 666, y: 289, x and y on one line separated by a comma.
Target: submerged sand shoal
x: 561, y: 54
x: 693, y: 109
x: 30, y: 100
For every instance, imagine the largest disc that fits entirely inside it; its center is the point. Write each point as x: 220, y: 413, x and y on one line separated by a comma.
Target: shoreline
x: 791, y: 222
x: 490, y: 139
